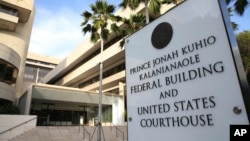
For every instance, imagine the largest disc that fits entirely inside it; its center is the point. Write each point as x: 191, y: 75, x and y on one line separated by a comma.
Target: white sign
x: 181, y: 80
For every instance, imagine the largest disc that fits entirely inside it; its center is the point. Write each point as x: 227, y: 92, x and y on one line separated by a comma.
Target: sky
x: 57, y: 31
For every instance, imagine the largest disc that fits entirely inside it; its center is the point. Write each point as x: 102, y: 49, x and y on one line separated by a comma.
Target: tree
x: 97, y: 23
x: 234, y: 25
x: 243, y: 39
x: 151, y: 6
x: 100, y: 18
x: 132, y: 24
x: 239, y: 5
x: 9, y: 109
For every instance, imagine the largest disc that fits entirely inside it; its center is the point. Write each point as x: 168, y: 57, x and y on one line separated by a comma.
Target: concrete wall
x: 7, y: 92
x: 17, y: 42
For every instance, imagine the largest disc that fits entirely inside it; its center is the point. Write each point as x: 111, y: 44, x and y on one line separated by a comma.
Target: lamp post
x: 99, y: 130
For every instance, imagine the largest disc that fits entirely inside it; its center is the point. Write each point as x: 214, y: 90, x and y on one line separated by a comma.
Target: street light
x: 99, y: 130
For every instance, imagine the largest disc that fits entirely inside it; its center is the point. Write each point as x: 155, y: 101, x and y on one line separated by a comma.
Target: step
x: 72, y: 133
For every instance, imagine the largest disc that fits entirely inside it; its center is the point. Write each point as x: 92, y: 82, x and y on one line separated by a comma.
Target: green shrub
x: 9, y: 109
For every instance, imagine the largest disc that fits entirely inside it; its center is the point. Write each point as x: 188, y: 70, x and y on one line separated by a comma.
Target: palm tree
x: 239, y: 5
x: 151, y: 6
x: 97, y: 23
x: 102, y: 14
x: 234, y: 25
x: 132, y: 24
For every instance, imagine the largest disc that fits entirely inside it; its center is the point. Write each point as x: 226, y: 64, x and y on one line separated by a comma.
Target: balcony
x: 11, y: 14
x: 8, y: 22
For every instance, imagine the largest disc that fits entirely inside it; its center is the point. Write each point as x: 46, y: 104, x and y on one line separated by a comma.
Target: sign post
x: 182, y: 79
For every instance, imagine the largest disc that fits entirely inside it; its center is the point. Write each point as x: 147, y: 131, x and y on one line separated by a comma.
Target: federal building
x: 60, y: 92
x: 16, y: 20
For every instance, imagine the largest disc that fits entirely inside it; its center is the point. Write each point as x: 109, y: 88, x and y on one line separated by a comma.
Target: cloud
x: 56, y: 33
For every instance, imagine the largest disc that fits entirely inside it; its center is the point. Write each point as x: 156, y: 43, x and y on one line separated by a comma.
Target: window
x: 106, y: 74
x: 2, y: 69
x: 8, y: 10
x: 28, y: 76
x: 8, y: 73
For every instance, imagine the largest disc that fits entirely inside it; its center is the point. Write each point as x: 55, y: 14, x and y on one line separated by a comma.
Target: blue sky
x: 56, y: 30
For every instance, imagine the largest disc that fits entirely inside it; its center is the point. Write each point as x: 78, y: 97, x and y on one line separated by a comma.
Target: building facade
x: 16, y: 20
x: 70, y: 90
x: 37, y: 67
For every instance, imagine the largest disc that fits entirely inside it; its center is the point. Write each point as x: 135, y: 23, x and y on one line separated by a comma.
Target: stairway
x: 110, y: 133
x: 72, y: 133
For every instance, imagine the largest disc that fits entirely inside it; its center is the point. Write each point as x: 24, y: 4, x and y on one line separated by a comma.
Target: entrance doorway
x: 50, y: 115
x: 60, y: 118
